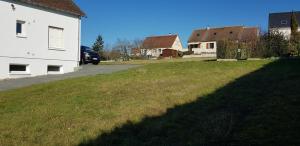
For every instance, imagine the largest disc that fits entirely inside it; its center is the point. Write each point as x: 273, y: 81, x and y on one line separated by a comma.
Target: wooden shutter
x: 56, y: 38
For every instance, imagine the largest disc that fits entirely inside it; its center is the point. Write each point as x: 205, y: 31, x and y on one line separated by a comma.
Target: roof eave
x: 80, y: 14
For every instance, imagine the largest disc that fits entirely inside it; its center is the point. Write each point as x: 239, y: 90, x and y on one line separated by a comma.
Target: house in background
x: 135, y: 52
x: 39, y: 37
x: 282, y: 22
x: 203, y: 42
x: 154, y: 46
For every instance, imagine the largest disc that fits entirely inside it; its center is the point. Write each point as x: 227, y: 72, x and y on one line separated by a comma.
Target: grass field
x: 144, y: 62
x: 171, y: 103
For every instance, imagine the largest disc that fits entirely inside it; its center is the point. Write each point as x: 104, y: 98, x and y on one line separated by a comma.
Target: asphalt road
x: 87, y: 70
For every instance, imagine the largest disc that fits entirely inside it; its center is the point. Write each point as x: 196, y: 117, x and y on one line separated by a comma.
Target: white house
x: 282, y: 22
x: 39, y: 37
x: 154, y: 46
x: 203, y: 42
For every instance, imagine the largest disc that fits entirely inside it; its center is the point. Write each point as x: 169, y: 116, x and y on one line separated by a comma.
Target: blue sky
x: 136, y: 19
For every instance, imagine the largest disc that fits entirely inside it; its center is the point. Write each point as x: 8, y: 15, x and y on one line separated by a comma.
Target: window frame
x: 60, y: 71
x: 23, y: 28
x: 285, y: 22
x: 27, y: 71
x: 211, y: 46
x: 56, y: 47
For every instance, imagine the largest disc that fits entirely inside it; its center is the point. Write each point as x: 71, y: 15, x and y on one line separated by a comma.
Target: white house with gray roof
x: 281, y: 22
x: 39, y: 37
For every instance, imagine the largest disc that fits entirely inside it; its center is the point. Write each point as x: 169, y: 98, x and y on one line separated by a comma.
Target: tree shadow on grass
x: 261, y: 108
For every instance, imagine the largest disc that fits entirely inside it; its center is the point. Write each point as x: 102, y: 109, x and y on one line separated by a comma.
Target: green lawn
x: 171, y: 103
x: 151, y: 61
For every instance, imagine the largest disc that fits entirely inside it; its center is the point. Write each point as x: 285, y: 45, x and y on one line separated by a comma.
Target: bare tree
x: 107, y: 51
x: 147, y: 48
x: 137, y: 43
x: 115, y: 54
x: 123, y: 46
x: 136, y: 47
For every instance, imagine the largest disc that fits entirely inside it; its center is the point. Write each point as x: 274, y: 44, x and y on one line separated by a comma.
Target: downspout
x: 79, y: 42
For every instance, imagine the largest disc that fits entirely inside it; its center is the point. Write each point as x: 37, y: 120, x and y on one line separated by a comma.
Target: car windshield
x: 89, y: 51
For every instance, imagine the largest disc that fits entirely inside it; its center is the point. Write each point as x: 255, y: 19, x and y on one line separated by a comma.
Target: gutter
x: 79, y: 41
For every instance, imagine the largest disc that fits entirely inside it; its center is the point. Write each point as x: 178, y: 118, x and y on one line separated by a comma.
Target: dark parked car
x: 89, y: 56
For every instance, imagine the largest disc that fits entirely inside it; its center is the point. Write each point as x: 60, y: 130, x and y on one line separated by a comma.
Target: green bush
x: 272, y: 44
x: 180, y: 54
x: 232, y: 50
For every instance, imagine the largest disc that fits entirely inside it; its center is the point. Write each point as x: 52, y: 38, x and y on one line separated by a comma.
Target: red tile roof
x: 156, y: 42
x: 67, y: 6
x: 239, y: 33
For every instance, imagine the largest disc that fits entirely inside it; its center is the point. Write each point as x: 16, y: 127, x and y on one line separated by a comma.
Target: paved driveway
x: 87, y: 70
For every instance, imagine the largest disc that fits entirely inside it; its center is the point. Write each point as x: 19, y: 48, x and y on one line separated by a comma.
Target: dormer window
x: 284, y: 22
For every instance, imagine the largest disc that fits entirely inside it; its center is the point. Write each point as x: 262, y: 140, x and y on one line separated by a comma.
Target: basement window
x: 54, y: 69
x: 18, y: 69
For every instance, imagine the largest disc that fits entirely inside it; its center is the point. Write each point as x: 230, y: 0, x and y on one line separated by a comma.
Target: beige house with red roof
x: 203, y: 42
x: 154, y: 46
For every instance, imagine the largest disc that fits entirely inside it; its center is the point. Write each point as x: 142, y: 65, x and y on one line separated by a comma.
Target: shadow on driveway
x: 87, y: 70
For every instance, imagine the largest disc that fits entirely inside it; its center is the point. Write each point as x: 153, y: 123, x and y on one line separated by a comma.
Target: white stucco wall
x: 152, y: 52
x: 33, y: 48
x: 203, y: 51
x: 285, y: 31
x: 177, y: 44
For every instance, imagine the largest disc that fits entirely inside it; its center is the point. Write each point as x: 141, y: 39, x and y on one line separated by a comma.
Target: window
x: 20, y: 28
x: 210, y: 45
x: 284, y: 22
x: 56, y: 38
x: 215, y: 33
x: 53, y: 68
x: 18, y: 68
x: 198, y: 34
x: 231, y: 32
x: 194, y: 46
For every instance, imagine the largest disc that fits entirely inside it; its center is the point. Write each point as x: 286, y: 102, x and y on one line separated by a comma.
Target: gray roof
x: 277, y: 20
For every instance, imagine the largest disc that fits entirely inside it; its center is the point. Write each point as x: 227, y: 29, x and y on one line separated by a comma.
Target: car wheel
x: 96, y: 63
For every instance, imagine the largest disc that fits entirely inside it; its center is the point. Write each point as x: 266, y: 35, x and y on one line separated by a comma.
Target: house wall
x: 33, y: 48
x: 285, y: 31
x: 177, y: 44
x: 203, y: 51
x: 152, y: 52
